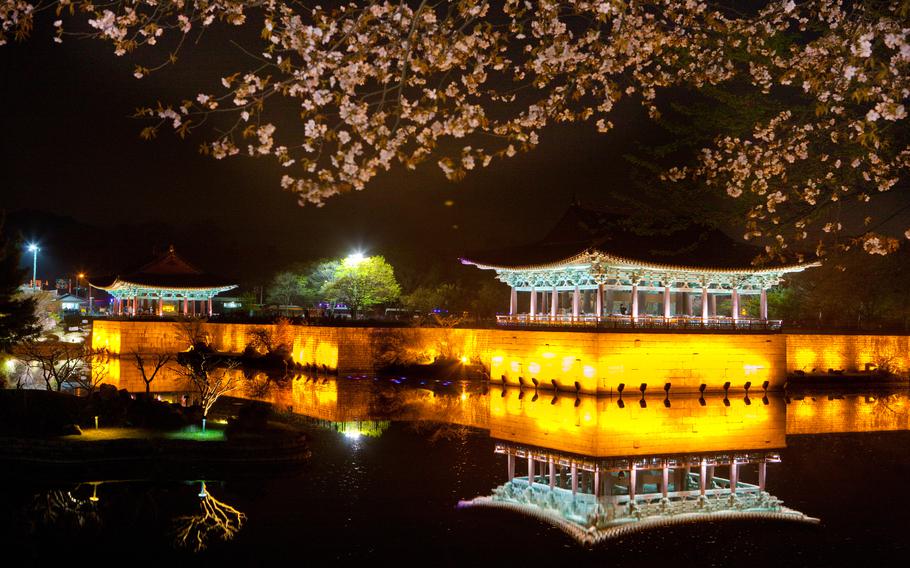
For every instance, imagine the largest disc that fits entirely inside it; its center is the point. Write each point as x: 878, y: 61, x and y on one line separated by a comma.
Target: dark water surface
x: 386, y: 491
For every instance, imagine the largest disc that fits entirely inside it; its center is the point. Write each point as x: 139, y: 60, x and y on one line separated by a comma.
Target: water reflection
x: 82, y: 509
x: 593, y: 467
x: 215, y: 520
x: 598, y: 499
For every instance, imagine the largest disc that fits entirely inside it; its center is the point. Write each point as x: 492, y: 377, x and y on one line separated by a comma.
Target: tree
x: 314, y: 277
x: 58, y: 364
x: 210, y: 377
x: 155, y: 363
x: 378, y: 83
x: 17, y: 313
x: 284, y: 289
x: 361, y: 284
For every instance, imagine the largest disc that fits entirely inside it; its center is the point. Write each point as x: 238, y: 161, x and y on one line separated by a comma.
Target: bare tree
x: 155, y: 362
x: 214, y: 520
x: 272, y: 339
x: 95, y: 369
x: 60, y: 363
x: 192, y: 333
x: 210, y: 378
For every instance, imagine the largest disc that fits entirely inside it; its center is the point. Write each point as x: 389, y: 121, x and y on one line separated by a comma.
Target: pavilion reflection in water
x: 599, y: 471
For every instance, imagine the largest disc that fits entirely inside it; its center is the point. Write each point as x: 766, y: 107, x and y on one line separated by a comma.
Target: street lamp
x: 81, y: 276
x: 34, y: 250
x: 355, y: 258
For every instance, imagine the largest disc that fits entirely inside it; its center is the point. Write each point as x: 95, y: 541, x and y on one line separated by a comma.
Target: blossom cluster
x: 377, y: 83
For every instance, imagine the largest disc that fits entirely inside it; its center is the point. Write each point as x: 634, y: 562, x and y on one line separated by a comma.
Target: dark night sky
x: 71, y: 149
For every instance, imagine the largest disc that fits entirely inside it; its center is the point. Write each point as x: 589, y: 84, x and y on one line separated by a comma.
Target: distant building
x: 169, y: 285
x: 593, y: 269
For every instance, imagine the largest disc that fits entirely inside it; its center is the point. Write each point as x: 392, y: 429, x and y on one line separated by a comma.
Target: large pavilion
x: 168, y: 285
x: 592, y: 269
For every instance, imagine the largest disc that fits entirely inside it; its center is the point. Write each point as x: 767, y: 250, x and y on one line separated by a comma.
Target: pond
x: 393, y: 458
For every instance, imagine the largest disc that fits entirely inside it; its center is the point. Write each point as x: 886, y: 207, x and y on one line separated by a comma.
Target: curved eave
x: 593, y: 536
x: 585, y: 258
x: 119, y: 284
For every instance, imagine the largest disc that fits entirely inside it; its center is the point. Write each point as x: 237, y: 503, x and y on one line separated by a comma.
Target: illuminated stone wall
x: 848, y: 352
x: 597, y: 362
x: 346, y: 349
x: 598, y: 426
x: 600, y: 362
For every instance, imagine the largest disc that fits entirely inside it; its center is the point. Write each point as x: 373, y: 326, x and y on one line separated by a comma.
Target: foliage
x: 852, y: 290
x: 378, y: 82
x: 17, y: 313
x: 363, y: 284
x: 284, y: 289
x: 313, y: 277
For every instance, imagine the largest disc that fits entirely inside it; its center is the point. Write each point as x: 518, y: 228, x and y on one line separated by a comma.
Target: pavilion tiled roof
x: 585, y: 229
x: 169, y: 270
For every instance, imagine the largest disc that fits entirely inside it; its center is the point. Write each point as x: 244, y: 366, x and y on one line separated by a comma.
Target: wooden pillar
x: 513, y: 301
x: 734, y: 299
x: 667, y: 297
x: 160, y: 306
x: 665, y: 481
x: 762, y: 475
x: 530, y: 469
x: 596, y: 482
x: 635, y: 301
x: 599, y: 303
x: 702, y: 478
x: 533, y: 310
x: 704, y: 304
x: 554, y: 302
x: 574, y: 479
x: 186, y: 306
x: 633, y: 479
x: 552, y: 473
x: 575, y: 300
x: 510, y: 467
x: 211, y: 311
x: 763, y: 304
x: 734, y: 476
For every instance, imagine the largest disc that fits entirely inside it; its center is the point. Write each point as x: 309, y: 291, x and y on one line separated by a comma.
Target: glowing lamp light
x: 588, y: 371
x: 352, y: 434
x: 32, y: 247
x: 534, y: 368
x: 497, y: 360
x: 464, y: 359
x: 355, y: 258
x: 548, y: 355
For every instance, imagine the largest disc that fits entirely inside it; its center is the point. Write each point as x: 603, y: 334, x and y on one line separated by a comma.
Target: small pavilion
x: 592, y: 268
x: 168, y: 285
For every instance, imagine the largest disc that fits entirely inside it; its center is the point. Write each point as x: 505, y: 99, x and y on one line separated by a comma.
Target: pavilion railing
x: 716, y: 323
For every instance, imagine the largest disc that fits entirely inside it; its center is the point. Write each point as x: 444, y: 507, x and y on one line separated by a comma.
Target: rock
x: 107, y: 392
x: 71, y: 430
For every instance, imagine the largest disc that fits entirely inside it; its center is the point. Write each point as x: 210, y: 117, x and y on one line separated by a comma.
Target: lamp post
x: 34, y: 250
x: 81, y: 276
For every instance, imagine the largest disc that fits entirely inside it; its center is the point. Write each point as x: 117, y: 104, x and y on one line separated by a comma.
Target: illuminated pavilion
x: 591, y: 269
x: 168, y: 285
